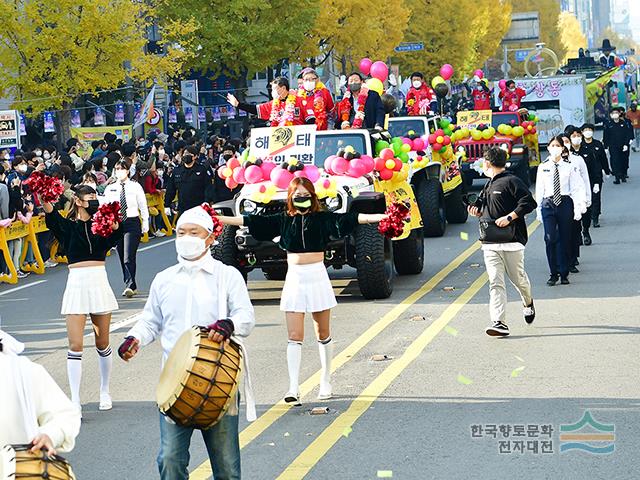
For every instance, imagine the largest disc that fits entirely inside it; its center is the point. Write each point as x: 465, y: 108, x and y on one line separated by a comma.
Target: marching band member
x: 88, y: 291
x: 419, y: 96
x: 304, y: 231
x: 197, y: 291
x: 560, y: 197
x: 34, y: 408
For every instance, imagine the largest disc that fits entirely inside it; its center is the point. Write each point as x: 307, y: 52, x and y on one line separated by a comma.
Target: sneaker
x: 624, y: 179
x: 553, y: 279
x: 529, y: 313
x: 574, y: 270
x: 565, y: 281
x: 498, y: 329
x: 129, y: 292
x: 292, y: 399
x: 50, y: 263
x: 325, y: 392
x: 586, y: 239
x: 21, y: 274
x: 105, y: 402
x: 159, y: 234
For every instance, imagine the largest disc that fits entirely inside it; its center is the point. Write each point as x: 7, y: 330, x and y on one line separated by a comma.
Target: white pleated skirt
x: 88, y: 291
x: 307, y: 289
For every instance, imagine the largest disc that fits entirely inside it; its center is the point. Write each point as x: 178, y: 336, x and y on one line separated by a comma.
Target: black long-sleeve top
x: 506, y: 193
x: 79, y: 242
x: 617, y: 134
x: 191, y: 185
x: 601, y: 155
x: 594, y: 167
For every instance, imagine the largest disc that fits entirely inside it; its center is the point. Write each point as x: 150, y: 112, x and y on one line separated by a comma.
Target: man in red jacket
x: 481, y: 96
x: 511, y: 97
x: 420, y: 96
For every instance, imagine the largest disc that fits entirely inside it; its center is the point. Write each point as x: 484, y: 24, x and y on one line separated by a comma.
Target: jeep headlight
x: 333, y: 203
x: 248, y: 206
x: 504, y: 146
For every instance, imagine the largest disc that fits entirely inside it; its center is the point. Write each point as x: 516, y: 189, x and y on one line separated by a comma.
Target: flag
x: 146, y: 112
x: 172, y: 114
x: 597, y: 87
x: 49, y: 126
x: 202, y: 115
x: 98, y: 117
x: 75, y: 119
x: 188, y: 114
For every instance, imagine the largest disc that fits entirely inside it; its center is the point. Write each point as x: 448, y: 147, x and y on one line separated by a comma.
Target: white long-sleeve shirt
x: 53, y: 413
x: 181, y: 297
x: 136, y: 200
x: 579, y: 162
x: 571, y: 183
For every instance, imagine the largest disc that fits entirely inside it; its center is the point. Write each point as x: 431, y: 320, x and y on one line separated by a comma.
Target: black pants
x: 586, y: 218
x: 127, y: 250
x: 618, y: 160
x: 558, y: 223
x: 576, y: 240
x: 596, y: 202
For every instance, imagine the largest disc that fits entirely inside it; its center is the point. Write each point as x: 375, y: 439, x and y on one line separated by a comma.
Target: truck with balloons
x: 347, y: 178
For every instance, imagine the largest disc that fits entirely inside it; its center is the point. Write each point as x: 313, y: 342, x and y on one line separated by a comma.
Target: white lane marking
x: 149, y: 247
x: 125, y: 322
x: 21, y: 287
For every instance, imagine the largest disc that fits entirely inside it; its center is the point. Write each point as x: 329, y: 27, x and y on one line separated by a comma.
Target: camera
x: 472, y: 200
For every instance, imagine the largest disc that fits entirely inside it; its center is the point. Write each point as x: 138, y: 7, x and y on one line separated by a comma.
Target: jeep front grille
x: 273, y: 208
x: 476, y: 150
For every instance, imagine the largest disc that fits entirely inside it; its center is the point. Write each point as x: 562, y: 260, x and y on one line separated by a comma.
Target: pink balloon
x: 238, y: 175
x: 266, y: 168
x: 312, y: 173
x: 446, y: 71
x: 417, y: 144
x: 281, y: 178
x: 356, y: 168
x: 230, y: 183
x: 479, y: 73
x: 253, y: 174
x: 379, y: 70
x: 365, y: 65
x: 327, y: 164
x: 387, y: 154
x: 406, y: 140
x: 502, y: 84
x: 300, y: 174
x: 340, y: 165
x: 368, y: 163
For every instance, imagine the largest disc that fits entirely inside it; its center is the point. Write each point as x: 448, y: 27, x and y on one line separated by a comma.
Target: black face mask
x: 93, y: 207
x: 302, y: 202
x: 227, y: 156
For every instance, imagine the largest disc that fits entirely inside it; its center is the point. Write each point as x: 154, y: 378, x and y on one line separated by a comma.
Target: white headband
x: 198, y: 216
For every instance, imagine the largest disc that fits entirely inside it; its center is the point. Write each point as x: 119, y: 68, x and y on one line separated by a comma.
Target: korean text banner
x: 9, y: 129
x: 473, y: 118
x: 86, y: 135
x: 278, y: 144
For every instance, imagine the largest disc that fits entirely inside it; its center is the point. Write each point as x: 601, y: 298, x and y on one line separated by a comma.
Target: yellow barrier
x: 155, y: 203
x: 27, y: 231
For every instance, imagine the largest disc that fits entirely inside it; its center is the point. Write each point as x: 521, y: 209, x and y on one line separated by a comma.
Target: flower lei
x: 288, y: 116
x: 318, y: 104
x: 346, y: 108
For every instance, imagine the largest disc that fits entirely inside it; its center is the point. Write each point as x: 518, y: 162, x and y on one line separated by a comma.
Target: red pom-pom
x: 104, y: 218
x: 397, y: 216
x: 47, y: 188
x: 217, y: 225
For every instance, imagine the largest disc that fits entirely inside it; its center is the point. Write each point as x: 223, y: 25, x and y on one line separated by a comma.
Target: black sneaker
x: 574, y: 270
x: 498, y: 329
x: 564, y: 281
x: 553, y: 279
x: 624, y: 179
x: 529, y: 313
x: 616, y: 181
x: 596, y: 222
x: 586, y: 239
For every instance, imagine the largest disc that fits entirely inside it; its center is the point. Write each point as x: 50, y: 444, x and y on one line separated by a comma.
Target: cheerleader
x: 88, y: 291
x: 304, y: 230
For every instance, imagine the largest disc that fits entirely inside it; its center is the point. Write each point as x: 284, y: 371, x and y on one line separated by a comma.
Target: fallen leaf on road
x: 385, y: 474
x: 449, y: 289
x: 287, y: 434
x: 380, y: 357
x: 519, y: 359
x: 417, y: 318
x: 464, y: 380
x: 474, y: 265
x: 517, y: 371
x: 451, y: 331
x: 319, y: 411
x: 347, y: 431
x: 464, y: 236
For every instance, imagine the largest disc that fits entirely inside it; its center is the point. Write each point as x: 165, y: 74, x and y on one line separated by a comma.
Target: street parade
x: 188, y: 188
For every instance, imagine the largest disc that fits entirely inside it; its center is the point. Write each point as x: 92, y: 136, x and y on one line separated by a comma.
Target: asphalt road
x: 430, y: 410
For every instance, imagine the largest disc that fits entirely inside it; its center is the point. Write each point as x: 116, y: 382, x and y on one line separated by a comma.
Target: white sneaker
x: 50, y: 264
x: 292, y: 399
x: 105, y: 402
x: 159, y: 234
x: 128, y: 292
x: 325, y: 392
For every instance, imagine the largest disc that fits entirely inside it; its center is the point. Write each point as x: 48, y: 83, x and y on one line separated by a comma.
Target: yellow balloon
x: 476, y: 134
x: 465, y: 132
x: 227, y: 172
x: 390, y: 164
x: 375, y: 85
x: 487, y: 134
x: 437, y: 80
x: 349, y: 149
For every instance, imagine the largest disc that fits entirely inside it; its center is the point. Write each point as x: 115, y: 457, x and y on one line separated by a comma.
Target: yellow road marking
x: 256, y: 428
x: 328, y: 438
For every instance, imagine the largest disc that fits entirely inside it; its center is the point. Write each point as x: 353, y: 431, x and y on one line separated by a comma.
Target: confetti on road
x: 385, y: 474
x: 418, y: 318
x: 287, y: 434
x: 449, y: 289
x: 347, y: 431
x: 517, y: 371
x: 451, y: 331
x: 381, y: 357
x: 319, y: 411
x: 464, y: 380
x: 474, y: 265
x: 464, y: 236
x: 519, y: 359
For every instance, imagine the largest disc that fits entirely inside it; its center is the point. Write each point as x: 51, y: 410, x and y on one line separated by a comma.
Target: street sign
x: 506, y: 68
x: 521, y: 55
x: 525, y: 27
x: 410, y: 47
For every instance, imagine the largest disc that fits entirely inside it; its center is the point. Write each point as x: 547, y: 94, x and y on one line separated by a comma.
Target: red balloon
x: 432, y: 138
x: 378, y: 164
x: 365, y: 65
x: 380, y: 71
x: 398, y: 166
x: 386, y: 174
x: 387, y: 154
x: 437, y: 146
x: 417, y: 144
x: 447, y: 140
x: 233, y: 163
x: 230, y: 183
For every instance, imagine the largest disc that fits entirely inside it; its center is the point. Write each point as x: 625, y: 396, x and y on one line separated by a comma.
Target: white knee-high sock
x: 74, y: 372
x: 294, y: 358
x: 106, y: 361
x: 325, y: 348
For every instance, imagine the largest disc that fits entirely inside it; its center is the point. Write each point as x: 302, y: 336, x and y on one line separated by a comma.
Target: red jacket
x: 321, y: 103
x: 300, y: 115
x: 151, y: 184
x: 417, y: 98
x: 511, y: 100
x: 481, y: 99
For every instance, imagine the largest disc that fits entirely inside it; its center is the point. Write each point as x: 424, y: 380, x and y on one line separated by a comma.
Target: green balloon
x: 532, y: 117
x: 404, y: 157
x: 245, y: 154
x: 396, y: 141
x: 447, y: 131
x: 444, y: 123
x: 381, y: 145
x: 443, y: 149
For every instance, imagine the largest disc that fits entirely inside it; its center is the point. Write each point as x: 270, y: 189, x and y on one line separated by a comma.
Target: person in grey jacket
x: 4, y: 195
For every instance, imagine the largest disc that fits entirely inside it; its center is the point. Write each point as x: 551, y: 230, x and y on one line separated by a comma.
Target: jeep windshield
x: 506, y: 118
x: 328, y: 144
x: 401, y: 128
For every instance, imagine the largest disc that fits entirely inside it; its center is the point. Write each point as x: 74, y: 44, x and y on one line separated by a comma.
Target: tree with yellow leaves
x: 354, y: 29
x: 573, y: 38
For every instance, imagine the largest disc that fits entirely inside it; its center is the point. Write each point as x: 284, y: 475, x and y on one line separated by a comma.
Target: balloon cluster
x: 397, y: 216
x: 104, y: 218
x: 348, y: 162
x: 483, y: 132
x: 378, y: 71
x: 326, y: 187
x: 439, y: 81
x: 217, y: 224
x: 47, y: 188
x: 400, y: 148
x: 439, y: 140
x: 282, y: 175
x: 418, y: 144
x: 251, y: 171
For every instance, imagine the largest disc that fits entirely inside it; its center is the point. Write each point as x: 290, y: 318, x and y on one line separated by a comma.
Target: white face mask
x: 46, y: 155
x: 22, y: 168
x: 38, y: 152
x: 587, y: 134
x: 190, y: 248
x: 309, y: 85
x: 576, y: 141
x: 555, y: 151
x: 416, y: 84
x: 615, y: 116
x: 121, y: 175
x: 274, y: 93
x: 160, y: 173
x: 161, y: 152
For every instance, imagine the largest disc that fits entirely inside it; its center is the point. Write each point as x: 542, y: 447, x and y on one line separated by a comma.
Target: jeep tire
x: 226, y: 250
x: 430, y: 199
x: 455, y: 207
x: 374, y: 262
x: 408, y: 254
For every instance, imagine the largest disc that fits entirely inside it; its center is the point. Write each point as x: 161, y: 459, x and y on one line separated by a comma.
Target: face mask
x: 47, y: 155
x: 309, y: 85
x: 355, y: 87
x: 159, y: 172
x: 93, y: 207
x: 104, y: 162
x: 7, y: 156
x: 122, y: 175
x: 22, y: 168
x: 512, y: 89
x: 38, y: 152
x: 161, y: 152
x: 189, y: 247
x: 189, y: 161
x: 92, y: 185
x: 555, y: 151
x: 227, y: 156
x: 615, y: 116
x: 587, y: 134
x: 576, y: 141
x: 47, y: 163
x: 274, y: 93
x: 302, y: 202
x: 416, y: 84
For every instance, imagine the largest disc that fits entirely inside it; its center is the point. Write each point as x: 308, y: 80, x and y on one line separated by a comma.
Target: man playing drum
x: 204, y: 292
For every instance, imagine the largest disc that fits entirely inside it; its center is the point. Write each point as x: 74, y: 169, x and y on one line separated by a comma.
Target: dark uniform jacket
x: 598, y: 150
x: 617, y: 134
x: 594, y: 167
x: 191, y: 184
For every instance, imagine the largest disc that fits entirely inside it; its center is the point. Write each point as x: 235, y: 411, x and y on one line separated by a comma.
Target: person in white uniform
x: 197, y: 291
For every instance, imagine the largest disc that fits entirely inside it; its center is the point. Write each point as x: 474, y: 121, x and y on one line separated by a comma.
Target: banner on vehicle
x: 86, y: 135
x: 278, y: 144
x: 473, y: 118
x: 401, y: 192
